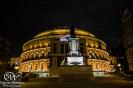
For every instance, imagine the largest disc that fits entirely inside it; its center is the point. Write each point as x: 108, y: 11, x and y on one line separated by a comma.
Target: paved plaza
x: 80, y: 84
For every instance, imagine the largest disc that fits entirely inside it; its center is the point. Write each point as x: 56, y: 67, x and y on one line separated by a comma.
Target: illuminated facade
x: 127, y: 28
x: 46, y: 52
x: 15, y: 61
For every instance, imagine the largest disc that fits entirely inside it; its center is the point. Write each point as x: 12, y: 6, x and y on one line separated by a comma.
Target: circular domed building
x: 45, y: 53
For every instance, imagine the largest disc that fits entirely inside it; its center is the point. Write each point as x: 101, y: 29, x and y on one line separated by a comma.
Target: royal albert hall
x: 48, y: 50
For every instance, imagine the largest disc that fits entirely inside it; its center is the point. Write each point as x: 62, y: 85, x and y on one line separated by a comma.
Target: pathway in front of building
x: 72, y: 84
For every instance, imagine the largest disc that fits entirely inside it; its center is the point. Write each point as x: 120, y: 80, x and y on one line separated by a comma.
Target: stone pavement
x: 80, y: 84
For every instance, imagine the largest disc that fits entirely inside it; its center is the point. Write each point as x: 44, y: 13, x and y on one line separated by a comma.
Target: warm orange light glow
x: 36, y: 51
x: 63, y: 31
x: 34, y: 65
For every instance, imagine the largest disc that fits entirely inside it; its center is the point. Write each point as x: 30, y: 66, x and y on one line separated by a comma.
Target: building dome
x: 47, y: 50
x: 63, y: 31
x: 56, y: 34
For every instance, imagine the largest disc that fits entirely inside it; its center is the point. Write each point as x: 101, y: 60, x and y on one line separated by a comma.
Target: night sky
x: 22, y: 19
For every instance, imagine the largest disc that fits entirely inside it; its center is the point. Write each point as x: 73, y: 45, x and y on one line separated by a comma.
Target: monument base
x: 76, y: 73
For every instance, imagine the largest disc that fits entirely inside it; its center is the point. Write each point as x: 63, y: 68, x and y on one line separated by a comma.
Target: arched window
x: 42, y: 66
x: 31, y: 67
x: 103, y: 67
x: 35, y: 66
x: 96, y: 66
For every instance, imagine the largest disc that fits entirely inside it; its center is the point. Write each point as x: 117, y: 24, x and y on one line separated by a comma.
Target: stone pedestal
x: 76, y: 73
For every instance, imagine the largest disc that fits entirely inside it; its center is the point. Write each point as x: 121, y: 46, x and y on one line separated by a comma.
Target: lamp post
x: 119, y: 66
